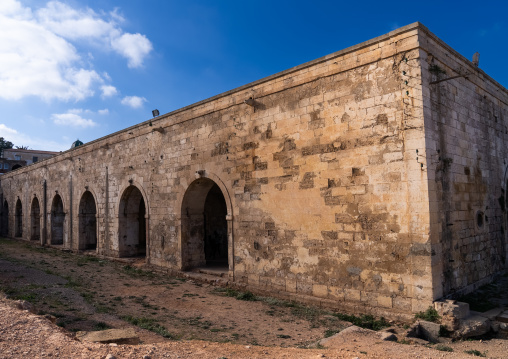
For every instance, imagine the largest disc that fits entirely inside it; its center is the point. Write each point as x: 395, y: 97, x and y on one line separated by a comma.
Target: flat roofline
x: 30, y: 151
x: 342, y: 52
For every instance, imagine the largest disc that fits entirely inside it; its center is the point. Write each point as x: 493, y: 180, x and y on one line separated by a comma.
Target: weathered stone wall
x: 466, y: 130
x: 327, y: 176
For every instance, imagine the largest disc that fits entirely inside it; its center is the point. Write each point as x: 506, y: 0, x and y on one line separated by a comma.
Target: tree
x: 22, y: 147
x: 4, y: 145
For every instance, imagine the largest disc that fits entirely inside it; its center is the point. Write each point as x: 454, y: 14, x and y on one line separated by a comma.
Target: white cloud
x: 134, y: 47
x: 133, y: 101
x: 72, y: 118
x: 39, y: 55
x: 103, y: 112
x: 108, y: 90
x: 21, y: 139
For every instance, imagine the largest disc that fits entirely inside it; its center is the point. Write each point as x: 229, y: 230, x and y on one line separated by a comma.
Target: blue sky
x: 86, y: 68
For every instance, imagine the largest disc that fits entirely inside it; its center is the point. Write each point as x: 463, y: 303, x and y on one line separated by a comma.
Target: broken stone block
x: 492, y: 314
x: 429, y: 331
x: 451, y: 313
x: 119, y: 336
x: 502, y: 317
x: 472, y: 327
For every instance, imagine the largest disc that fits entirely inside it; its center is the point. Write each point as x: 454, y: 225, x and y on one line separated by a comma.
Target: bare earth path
x: 185, y: 319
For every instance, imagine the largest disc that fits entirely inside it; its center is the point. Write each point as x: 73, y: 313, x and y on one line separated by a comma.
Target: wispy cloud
x: 21, y: 139
x: 108, y: 90
x: 133, y: 101
x: 73, y: 118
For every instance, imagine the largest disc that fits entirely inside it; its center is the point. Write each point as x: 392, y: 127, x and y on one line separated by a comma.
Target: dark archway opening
x: 15, y: 167
x: 87, y: 222
x: 35, y: 220
x: 18, y: 219
x: 132, y: 224
x: 204, y: 226
x: 57, y: 221
x: 5, y: 219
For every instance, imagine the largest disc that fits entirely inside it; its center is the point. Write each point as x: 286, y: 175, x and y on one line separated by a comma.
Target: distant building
x: 13, y: 158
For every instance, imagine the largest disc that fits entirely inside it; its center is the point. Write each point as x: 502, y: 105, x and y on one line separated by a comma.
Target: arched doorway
x: 57, y: 220
x: 87, y: 222
x: 204, y: 226
x: 5, y: 219
x: 18, y: 219
x: 132, y: 223
x: 35, y: 220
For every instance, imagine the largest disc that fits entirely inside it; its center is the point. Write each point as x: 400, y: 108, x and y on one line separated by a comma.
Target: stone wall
x: 321, y: 172
x: 466, y: 130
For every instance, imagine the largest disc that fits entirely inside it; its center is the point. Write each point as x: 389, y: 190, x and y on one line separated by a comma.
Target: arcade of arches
x: 204, y: 227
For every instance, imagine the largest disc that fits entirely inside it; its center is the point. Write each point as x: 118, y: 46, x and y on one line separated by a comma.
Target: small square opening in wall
x: 480, y: 219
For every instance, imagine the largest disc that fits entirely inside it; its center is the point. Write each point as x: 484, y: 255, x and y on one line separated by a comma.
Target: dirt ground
x: 174, y: 317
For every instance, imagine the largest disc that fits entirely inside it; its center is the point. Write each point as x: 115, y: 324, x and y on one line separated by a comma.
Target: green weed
x: 443, y: 348
x: 430, y: 315
x: 364, y: 321
x: 476, y: 353
x: 149, y: 324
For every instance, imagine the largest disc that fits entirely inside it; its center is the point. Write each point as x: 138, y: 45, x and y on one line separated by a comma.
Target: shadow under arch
x: 206, y: 233
x: 35, y: 220
x: 87, y: 221
x: 133, y: 222
x: 57, y: 220
x: 5, y: 219
x: 18, y: 219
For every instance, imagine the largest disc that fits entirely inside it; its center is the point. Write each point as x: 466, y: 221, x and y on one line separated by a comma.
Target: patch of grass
x: 149, y: 324
x: 29, y: 297
x: 71, y: 283
x: 429, y: 315
x: 443, y: 348
x: 247, y: 296
x: 102, y: 309
x: 229, y: 292
x: 330, y: 332
x: 137, y: 272
x: 364, y: 321
x: 101, y: 326
x: 476, y: 353
x: 82, y: 260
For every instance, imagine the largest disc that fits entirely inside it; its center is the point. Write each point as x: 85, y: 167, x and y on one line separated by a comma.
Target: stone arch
x: 87, y: 215
x: 133, y: 223
x: 35, y: 220
x: 57, y: 220
x: 18, y: 219
x: 15, y: 167
x: 206, y: 224
x: 5, y: 219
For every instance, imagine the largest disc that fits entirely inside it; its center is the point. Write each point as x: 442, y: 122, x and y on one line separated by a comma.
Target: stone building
x: 14, y: 158
x: 370, y: 180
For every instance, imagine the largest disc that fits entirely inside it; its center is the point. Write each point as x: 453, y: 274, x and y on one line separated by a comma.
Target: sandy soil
x: 195, y: 319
